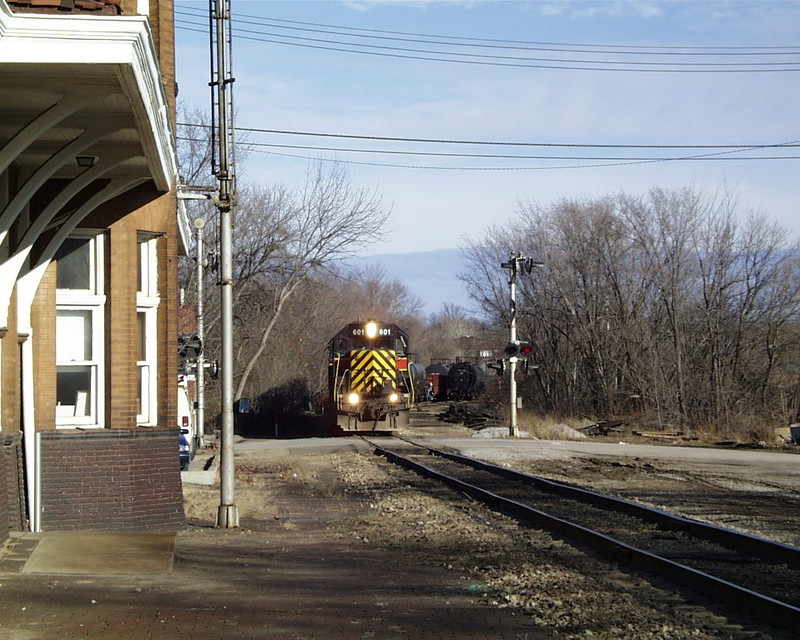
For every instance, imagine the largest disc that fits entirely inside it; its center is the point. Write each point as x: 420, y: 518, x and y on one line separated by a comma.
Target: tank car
x: 371, y: 382
x: 465, y: 381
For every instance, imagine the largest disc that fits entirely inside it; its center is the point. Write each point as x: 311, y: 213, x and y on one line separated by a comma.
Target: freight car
x: 372, y: 384
x: 436, y: 375
x: 465, y: 381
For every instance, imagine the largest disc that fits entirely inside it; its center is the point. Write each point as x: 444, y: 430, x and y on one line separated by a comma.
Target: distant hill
x: 430, y: 275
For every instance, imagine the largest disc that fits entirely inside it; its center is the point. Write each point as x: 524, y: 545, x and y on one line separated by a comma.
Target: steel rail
x: 725, y: 591
x: 728, y: 537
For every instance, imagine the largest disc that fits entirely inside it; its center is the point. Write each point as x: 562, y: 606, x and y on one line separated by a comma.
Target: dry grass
x: 549, y: 427
x: 256, y: 484
x: 740, y: 429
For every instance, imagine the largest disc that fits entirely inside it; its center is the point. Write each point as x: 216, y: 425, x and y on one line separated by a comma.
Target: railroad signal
x: 499, y: 366
x: 518, y: 349
x: 189, y: 347
x: 511, y: 350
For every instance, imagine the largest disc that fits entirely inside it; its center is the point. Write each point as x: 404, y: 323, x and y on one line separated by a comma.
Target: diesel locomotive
x: 372, y: 382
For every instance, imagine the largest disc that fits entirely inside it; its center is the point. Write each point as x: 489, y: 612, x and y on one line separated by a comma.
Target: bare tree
x: 195, y: 148
x: 667, y: 302
x: 330, y: 219
x: 327, y: 300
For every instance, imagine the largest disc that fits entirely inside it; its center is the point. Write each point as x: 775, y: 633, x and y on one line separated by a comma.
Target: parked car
x: 184, y: 451
x: 186, y: 421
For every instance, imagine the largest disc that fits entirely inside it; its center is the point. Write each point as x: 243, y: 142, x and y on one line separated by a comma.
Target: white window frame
x: 147, y: 302
x: 92, y: 300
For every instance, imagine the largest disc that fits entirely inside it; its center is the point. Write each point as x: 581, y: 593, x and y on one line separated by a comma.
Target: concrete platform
x: 100, y: 553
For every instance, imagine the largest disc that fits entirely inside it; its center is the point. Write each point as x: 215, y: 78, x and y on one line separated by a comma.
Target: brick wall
x: 111, y: 479
x: 163, y: 26
x: 94, y: 7
x: 121, y: 335
x: 4, y: 489
x: 187, y: 318
x: 12, y: 496
x: 43, y: 320
x: 9, y: 352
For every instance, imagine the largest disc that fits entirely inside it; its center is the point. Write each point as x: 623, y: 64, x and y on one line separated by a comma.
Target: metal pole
x: 227, y: 513
x: 512, y: 361
x: 200, y: 374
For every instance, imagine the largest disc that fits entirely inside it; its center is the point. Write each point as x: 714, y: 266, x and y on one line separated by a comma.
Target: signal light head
x: 511, y: 350
x: 518, y: 350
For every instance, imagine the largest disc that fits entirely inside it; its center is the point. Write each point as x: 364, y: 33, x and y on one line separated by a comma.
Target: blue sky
x: 302, y: 85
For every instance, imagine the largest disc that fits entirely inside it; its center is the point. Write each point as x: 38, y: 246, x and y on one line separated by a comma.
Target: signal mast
x: 224, y: 199
x: 514, y: 348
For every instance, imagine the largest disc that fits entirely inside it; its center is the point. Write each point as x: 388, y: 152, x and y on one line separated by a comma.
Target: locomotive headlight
x: 371, y: 329
x: 393, y: 397
x: 353, y: 398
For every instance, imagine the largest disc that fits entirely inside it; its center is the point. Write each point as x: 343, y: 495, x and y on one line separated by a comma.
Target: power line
x: 719, y: 155
x: 493, y: 156
x: 508, y: 143
x: 718, y: 151
x: 598, y: 165
x: 508, y: 44
x: 432, y: 55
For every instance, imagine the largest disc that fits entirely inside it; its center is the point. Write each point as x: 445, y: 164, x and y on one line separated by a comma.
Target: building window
x: 80, y: 305
x: 147, y: 301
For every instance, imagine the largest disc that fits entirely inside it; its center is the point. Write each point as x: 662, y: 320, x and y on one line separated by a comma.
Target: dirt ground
x: 556, y: 589
x: 335, y: 543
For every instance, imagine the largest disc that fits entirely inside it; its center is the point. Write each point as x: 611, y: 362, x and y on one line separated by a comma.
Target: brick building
x: 89, y: 236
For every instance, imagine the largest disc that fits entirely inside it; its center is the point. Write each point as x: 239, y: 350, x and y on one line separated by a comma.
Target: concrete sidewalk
x: 100, y: 553
x: 203, y: 469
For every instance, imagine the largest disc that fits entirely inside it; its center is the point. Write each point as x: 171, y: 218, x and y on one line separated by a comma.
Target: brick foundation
x: 12, y: 490
x: 111, y: 479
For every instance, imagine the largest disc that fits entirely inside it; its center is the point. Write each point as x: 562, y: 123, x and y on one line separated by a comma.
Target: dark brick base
x: 12, y: 490
x: 111, y: 480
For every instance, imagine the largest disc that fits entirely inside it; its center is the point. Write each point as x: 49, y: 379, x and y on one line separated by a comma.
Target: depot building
x: 89, y: 241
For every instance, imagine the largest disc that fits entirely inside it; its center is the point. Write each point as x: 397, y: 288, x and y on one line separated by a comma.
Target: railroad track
x: 757, y: 575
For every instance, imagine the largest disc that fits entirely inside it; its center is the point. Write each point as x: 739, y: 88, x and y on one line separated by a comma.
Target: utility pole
x: 224, y: 198
x: 200, y: 373
x: 515, y: 264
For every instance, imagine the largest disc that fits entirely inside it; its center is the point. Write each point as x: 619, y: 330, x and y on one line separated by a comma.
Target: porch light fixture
x: 85, y: 161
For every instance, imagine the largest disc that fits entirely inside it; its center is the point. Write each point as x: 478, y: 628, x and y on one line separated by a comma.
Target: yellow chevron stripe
x: 371, y: 369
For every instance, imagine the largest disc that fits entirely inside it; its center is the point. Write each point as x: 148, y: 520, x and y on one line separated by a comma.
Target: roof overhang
x: 83, y: 74
x: 83, y: 119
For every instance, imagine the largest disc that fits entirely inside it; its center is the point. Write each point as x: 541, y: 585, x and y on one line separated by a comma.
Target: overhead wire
x: 497, y: 60
x: 506, y: 142
x: 499, y: 143
x: 505, y: 44
x: 463, y: 57
x: 619, y: 163
x: 723, y: 153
